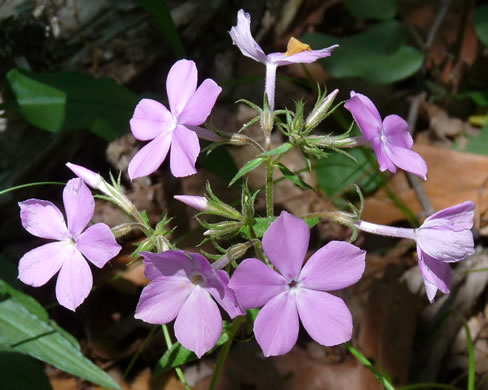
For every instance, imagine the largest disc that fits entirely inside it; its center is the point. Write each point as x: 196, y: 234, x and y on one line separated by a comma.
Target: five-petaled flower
x: 443, y: 238
x: 389, y: 138
x: 73, y: 244
x: 182, y: 286
x: 177, y: 128
x: 300, y: 53
x: 294, y: 292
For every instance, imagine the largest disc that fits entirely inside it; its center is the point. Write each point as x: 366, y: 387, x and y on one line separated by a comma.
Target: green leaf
x: 40, y: 104
x: 248, y: 167
x: 25, y: 300
x: 283, y: 148
x: 478, y: 144
x: 19, y: 371
x: 24, y: 332
x: 481, y: 23
x: 178, y: 355
x: 294, y: 178
x: 377, y: 55
x: 160, y: 11
x: 101, y: 105
x: 262, y: 224
x: 337, y: 172
x: 372, y: 9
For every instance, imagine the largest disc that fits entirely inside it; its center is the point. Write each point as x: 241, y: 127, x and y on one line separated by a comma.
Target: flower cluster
x: 288, y: 289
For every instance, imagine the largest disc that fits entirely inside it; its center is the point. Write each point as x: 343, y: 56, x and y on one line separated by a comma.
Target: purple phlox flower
x: 293, y: 293
x: 197, y: 202
x: 182, y: 286
x: 444, y: 237
x: 296, y: 53
x: 152, y: 121
x: 72, y: 244
x: 389, y: 138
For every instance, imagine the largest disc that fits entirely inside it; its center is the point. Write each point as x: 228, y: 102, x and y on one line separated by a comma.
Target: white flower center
x: 173, y: 123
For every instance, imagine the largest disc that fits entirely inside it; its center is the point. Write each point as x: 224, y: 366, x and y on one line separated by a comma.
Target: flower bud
x: 92, y: 179
x: 221, y: 229
x: 199, y: 203
x: 320, y: 111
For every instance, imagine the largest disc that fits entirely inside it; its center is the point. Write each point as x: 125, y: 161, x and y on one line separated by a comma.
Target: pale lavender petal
x: 384, y: 161
x: 325, y: 317
x: 162, y: 299
x: 167, y: 264
x: 243, y: 39
x: 40, y: 264
x: 408, y: 160
x: 286, y: 243
x: 276, y: 326
x: 200, y: 104
x: 79, y: 205
x: 334, y: 266
x: 184, y: 152
x: 227, y: 299
x: 150, y: 119
x: 181, y: 84
x: 199, y: 324
x: 445, y: 245
x: 458, y: 217
x: 74, y: 281
x: 255, y: 283
x: 42, y: 218
x: 304, y: 57
x: 396, y: 131
x: 197, y: 202
x: 97, y: 244
x: 206, y: 134
x: 150, y: 157
x: 365, y: 114
x: 90, y: 178
x: 434, y: 271
x: 430, y: 290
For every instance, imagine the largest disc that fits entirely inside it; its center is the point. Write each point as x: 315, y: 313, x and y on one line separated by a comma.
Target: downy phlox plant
x: 274, y: 289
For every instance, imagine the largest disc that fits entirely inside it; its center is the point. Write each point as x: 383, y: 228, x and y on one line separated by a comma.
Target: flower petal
x: 150, y: 157
x: 434, y: 272
x: 97, y: 244
x: 162, y: 299
x: 304, y: 57
x: 228, y: 299
x: 184, y: 152
x: 458, y: 217
x: 181, y: 84
x: 286, y: 243
x: 407, y: 159
x: 445, y: 245
x: 197, y: 202
x: 199, y: 324
x: 396, y: 131
x: 276, y: 326
x: 150, y: 119
x: 42, y: 218
x: 430, y: 290
x: 334, y: 266
x: 79, y: 205
x: 74, y: 281
x: 243, y: 39
x: 200, y: 104
x: 255, y: 283
x: 365, y: 114
x: 40, y: 264
x: 384, y: 161
x: 167, y: 264
x: 325, y: 317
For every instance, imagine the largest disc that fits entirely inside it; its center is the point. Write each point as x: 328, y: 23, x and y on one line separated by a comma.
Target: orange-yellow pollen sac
x: 295, y: 46
x: 197, y: 279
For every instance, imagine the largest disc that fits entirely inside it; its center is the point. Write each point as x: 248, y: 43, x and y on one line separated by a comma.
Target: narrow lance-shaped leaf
x: 293, y: 177
x: 248, y: 167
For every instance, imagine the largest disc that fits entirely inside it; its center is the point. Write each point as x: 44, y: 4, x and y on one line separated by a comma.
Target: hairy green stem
x: 169, y: 344
x: 224, y: 351
x: 269, y: 189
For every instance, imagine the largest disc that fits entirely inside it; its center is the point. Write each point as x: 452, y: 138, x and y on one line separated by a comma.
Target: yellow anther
x: 295, y: 46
